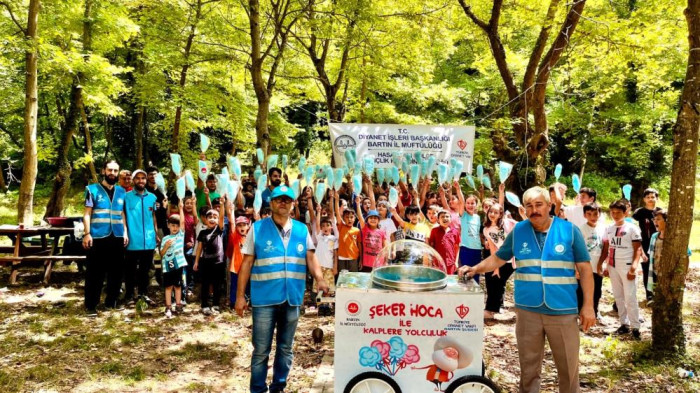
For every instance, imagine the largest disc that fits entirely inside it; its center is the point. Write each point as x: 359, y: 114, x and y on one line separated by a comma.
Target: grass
x: 198, y: 351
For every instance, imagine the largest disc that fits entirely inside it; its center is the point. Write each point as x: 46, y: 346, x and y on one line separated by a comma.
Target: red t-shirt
x: 445, y: 242
x: 189, y: 229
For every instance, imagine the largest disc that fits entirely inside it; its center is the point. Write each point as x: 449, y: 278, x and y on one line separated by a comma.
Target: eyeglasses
x: 285, y: 200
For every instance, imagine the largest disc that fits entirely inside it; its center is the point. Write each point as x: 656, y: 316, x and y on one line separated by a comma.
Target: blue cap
x: 372, y: 213
x: 282, y: 191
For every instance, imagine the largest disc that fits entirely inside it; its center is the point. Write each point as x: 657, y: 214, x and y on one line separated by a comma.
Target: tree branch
x: 468, y: 10
x: 12, y: 15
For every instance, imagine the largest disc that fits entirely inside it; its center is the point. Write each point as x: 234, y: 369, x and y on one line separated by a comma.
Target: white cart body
x: 364, y: 314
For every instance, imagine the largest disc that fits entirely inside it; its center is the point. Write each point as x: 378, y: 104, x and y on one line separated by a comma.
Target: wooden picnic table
x: 26, y: 254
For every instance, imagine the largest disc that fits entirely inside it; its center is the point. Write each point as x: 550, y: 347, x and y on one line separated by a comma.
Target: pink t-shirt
x: 372, y: 244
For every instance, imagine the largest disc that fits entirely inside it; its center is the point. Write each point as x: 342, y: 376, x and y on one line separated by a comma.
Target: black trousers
x: 496, y: 287
x: 105, y: 258
x: 645, y: 270
x: 137, y: 267
x: 597, y: 292
x: 211, y: 274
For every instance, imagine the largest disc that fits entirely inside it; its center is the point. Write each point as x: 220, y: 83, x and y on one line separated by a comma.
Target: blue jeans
x: 284, y: 317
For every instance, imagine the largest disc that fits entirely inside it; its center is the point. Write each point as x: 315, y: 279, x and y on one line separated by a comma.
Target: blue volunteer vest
x: 278, y: 274
x: 548, y: 276
x: 139, y: 218
x: 106, y: 214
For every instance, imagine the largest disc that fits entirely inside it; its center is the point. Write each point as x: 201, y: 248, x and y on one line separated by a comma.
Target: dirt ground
x: 48, y: 345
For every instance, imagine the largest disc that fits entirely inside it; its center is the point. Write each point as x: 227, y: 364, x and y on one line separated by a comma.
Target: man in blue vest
x: 105, y: 238
x: 548, y: 251
x: 276, y: 254
x: 140, y: 210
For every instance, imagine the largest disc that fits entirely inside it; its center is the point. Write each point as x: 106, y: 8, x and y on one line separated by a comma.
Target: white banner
x: 381, y: 140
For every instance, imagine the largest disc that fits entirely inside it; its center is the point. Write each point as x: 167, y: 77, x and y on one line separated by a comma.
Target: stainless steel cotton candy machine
x: 409, y: 266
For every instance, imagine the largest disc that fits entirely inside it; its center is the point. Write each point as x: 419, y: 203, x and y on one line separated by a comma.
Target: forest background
x: 135, y: 80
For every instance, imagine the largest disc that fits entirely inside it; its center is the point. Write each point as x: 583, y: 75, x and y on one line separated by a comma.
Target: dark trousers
x: 597, y: 293
x: 105, y: 258
x: 496, y: 287
x: 189, y: 272
x: 645, y: 270
x: 138, y: 266
x: 211, y: 274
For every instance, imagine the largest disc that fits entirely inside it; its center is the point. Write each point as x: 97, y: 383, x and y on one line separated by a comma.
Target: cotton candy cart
x: 408, y: 327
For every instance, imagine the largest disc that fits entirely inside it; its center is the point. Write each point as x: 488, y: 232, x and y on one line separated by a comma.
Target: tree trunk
x: 25, y: 212
x: 261, y: 129
x: 140, y: 118
x: 61, y: 183
x: 88, y: 142
x: 175, y: 142
x: 667, y: 332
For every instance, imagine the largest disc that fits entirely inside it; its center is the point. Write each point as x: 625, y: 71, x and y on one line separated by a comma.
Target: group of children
x: 350, y: 227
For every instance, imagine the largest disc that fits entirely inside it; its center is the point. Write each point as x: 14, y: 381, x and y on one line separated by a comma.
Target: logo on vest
x: 559, y: 249
x: 269, y: 247
x: 120, y: 201
x: 300, y: 247
x: 525, y: 249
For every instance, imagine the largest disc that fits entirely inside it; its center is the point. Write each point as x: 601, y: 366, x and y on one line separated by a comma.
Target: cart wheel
x: 473, y: 384
x: 372, y: 382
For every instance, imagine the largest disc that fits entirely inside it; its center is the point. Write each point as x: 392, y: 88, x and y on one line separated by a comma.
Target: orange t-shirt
x: 348, y: 241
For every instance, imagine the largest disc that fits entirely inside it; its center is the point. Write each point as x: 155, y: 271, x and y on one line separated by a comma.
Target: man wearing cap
x: 105, y: 238
x: 140, y: 209
x: 277, y: 252
x: 547, y: 251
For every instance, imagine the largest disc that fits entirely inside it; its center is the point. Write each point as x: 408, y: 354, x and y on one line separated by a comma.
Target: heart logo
x: 462, y: 144
x: 462, y: 310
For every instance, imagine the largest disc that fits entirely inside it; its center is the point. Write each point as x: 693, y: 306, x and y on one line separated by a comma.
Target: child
x: 373, y: 238
x: 646, y: 217
x: 415, y: 227
x: 470, y: 247
x: 348, y: 238
x: 432, y: 216
x: 172, y: 253
x: 496, y: 228
x: 656, y: 245
x: 233, y: 253
x: 209, y: 259
x: 386, y: 224
x: 622, y: 248
x: 191, y: 220
x: 327, y: 254
x: 593, y: 232
x: 445, y: 240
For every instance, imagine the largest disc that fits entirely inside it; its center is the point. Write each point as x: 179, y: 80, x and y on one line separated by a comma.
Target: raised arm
x: 358, y: 204
x: 501, y: 194
x: 397, y: 216
x: 336, y: 204
x: 460, y: 199
x: 370, y: 192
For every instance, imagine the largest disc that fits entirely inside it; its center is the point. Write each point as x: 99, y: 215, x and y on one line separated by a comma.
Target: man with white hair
x: 547, y: 251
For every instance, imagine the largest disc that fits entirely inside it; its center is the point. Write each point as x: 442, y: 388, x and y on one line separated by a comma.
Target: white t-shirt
x: 621, y: 251
x: 594, y: 241
x: 574, y: 214
x: 324, y: 249
x: 387, y: 225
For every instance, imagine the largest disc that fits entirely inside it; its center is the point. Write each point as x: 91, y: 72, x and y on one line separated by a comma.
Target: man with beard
x: 448, y: 356
x: 274, y: 176
x: 105, y: 238
x: 140, y: 212
x: 548, y: 251
x: 206, y: 193
x: 161, y: 200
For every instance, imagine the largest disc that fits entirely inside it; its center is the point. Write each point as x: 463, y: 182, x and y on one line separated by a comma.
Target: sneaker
x: 173, y: 308
x: 115, y: 307
x: 92, y: 313
x: 206, y: 311
x: 148, y: 301
x: 636, y: 335
x: 179, y: 308
x: 130, y: 302
x: 183, y: 301
x: 624, y: 329
x: 168, y: 313
x: 215, y: 310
